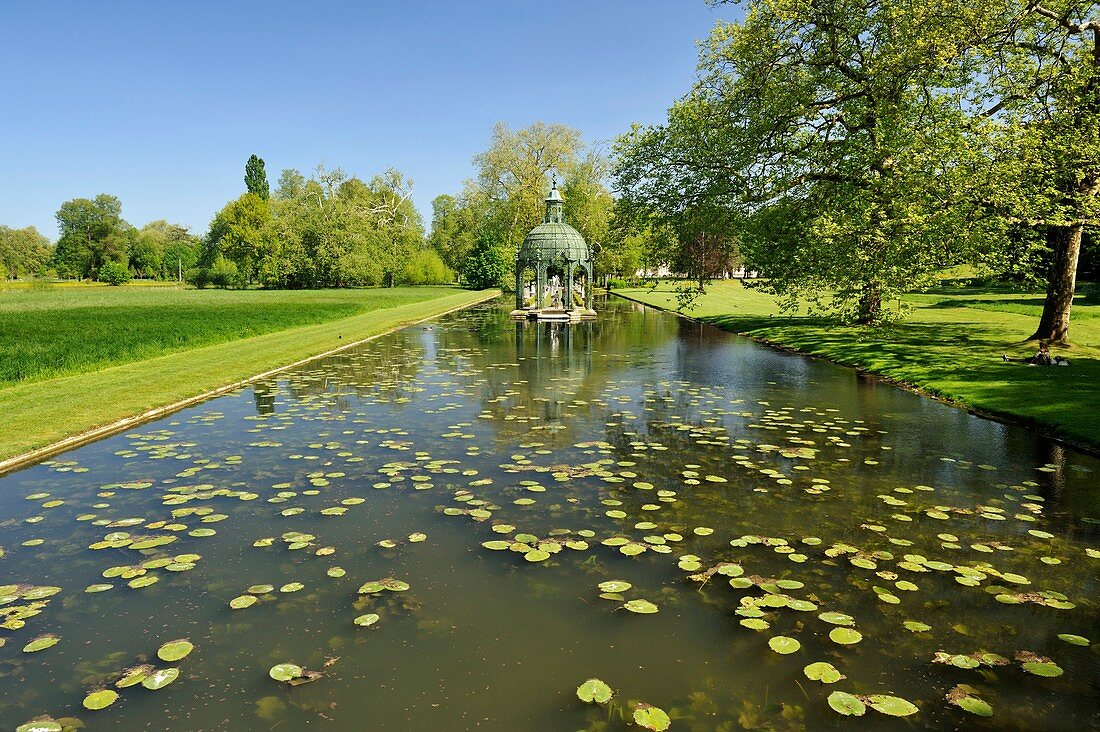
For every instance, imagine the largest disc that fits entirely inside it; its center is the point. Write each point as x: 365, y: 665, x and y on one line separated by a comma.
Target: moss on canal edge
x: 44, y: 418
x: 935, y: 353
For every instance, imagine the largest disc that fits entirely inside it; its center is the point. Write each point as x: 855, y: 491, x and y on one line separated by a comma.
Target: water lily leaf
x: 173, y: 651
x: 615, y: 586
x: 835, y: 618
x: 973, y: 704
x: 367, y: 620
x: 845, y: 636
x: 594, y: 691
x: 417, y: 537
x: 755, y: 624
x: 916, y: 627
x: 41, y: 643
x: 134, y: 676
x: 891, y: 705
x: 822, y: 671
x: 642, y: 607
x: 161, y: 678
x: 496, y: 545
x: 1076, y: 640
x: 285, y: 671
x: 100, y: 699
x: 783, y: 645
x: 242, y: 601
x: 291, y: 587
x: 651, y: 718
x: 847, y: 704
x: 1047, y: 669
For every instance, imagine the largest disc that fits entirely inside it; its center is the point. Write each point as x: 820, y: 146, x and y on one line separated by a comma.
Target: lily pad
x: 367, y: 620
x: 783, y: 645
x: 594, y: 691
x: 41, y: 643
x: 175, y: 650
x: 242, y: 601
x: 160, y: 678
x: 1047, y: 669
x: 845, y: 636
x: 615, y: 586
x: 847, y: 704
x: 822, y: 671
x: 100, y: 699
x: 285, y: 672
x: 41, y: 724
x: 651, y: 718
x: 642, y: 607
x: 892, y: 705
x: 1075, y: 640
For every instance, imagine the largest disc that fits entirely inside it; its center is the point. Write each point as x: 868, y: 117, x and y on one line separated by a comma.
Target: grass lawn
x: 57, y: 331
x: 123, y: 351
x: 949, y: 345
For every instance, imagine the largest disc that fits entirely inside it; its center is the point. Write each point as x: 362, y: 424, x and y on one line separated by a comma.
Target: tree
x: 486, y: 265
x: 241, y: 233
x: 163, y: 250
x: 833, y: 134
x: 114, y: 273
x: 92, y: 232
x: 1039, y: 91
x: 23, y: 252
x: 255, y: 177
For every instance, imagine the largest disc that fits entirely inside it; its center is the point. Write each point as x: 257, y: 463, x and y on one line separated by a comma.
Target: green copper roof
x: 553, y: 239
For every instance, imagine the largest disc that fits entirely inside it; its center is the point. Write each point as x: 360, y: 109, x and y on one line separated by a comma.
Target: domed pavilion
x: 554, y: 269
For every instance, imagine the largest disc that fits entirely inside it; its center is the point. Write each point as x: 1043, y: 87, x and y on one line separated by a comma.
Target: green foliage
x: 255, y: 177
x: 425, y: 267
x: 23, y: 252
x: 485, y: 266
x: 91, y: 233
x: 114, y: 273
x: 241, y: 233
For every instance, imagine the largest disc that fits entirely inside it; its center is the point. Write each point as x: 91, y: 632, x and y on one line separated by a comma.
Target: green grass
x: 950, y: 345
x: 40, y: 413
x: 58, y: 331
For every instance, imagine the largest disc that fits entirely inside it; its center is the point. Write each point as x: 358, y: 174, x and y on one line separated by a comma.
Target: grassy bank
x: 60, y: 331
x: 950, y: 346
x: 40, y: 413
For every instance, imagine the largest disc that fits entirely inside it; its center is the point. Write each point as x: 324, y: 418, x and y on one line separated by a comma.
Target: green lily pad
x: 260, y: 589
x: 160, y: 678
x: 594, y: 691
x: 651, y: 718
x: 974, y: 705
x: 891, y: 705
x: 536, y: 555
x: 496, y: 545
x: 134, y: 676
x: 285, y: 672
x: 242, y: 601
x: 783, y: 645
x: 845, y: 636
x: 642, y: 607
x: 41, y: 643
x: 291, y: 587
x: 822, y: 671
x: 173, y: 651
x: 835, y: 618
x: 1075, y: 640
x: 1047, y: 669
x: 755, y: 623
x: 367, y: 620
x: 615, y: 586
x: 847, y: 704
x: 916, y: 627
x: 100, y: 699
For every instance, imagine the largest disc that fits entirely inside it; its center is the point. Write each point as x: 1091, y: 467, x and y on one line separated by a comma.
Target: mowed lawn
x: 76, y: 361
x: 62, y: 330
x: 950, y: 345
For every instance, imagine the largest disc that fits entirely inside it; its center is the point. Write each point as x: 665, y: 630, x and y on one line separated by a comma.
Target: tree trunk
x: 870, y: 304
x: 1054, y: 323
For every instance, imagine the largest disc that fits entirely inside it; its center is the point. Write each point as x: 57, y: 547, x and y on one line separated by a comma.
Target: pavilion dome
x: 554, y: 240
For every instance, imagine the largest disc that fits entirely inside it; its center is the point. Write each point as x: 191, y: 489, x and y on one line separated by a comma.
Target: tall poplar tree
x: 255, y: 177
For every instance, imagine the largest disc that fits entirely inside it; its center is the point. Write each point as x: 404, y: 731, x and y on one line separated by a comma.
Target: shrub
x: 198, y: 276
x: 425, y: 268
x: 359, y: 270
x: 114, y: 273
x: 484, y: 266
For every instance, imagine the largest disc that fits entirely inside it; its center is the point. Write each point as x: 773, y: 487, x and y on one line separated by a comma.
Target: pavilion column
x: 540, y: 284
x: 568, y: 286
x: 588, y: 286
x: 519, y: 286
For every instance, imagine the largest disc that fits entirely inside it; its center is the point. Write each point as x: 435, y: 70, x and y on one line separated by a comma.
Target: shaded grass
x: 69, y: 330
x: 950, y: 346
x: 37, y: 414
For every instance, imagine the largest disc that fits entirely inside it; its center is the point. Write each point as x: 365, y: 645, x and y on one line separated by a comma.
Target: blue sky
x: 161, y: 103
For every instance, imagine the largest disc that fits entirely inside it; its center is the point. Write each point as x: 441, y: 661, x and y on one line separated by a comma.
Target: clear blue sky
x: 161, y: 103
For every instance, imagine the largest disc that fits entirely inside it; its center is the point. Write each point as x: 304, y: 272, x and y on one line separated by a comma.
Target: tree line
x: 328, y: 230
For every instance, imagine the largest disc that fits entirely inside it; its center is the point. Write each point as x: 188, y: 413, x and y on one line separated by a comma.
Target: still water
x: 759, y: 501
